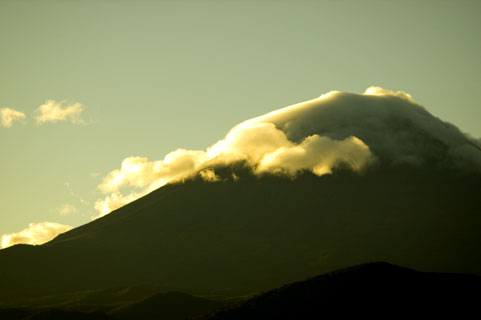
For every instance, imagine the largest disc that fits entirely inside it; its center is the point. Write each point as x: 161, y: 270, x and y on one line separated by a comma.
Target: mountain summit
x: 335, y: 181
x: 378, y: 127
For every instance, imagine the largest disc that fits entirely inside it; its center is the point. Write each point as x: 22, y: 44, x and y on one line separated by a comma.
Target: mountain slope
x: 215, y: 237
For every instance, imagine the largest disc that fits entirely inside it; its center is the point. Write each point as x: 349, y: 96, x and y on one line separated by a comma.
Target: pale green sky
x: 157, y: 75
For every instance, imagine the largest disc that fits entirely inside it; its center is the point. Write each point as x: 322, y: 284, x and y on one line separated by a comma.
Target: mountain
x: 375, y: 290
x: 205, y: 237
x: 338, y: 181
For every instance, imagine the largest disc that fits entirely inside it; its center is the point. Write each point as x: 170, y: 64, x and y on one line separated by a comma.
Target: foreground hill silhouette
x: 376, y: 290
x: 404, y: 187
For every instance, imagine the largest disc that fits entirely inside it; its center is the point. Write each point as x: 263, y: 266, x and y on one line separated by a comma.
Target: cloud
x: 261, y: 145
x: 139, y: 172
x: 36, y: 233
x: 8, y: 116
x: 267, y: 149
x: 66, y: 209
x: 209, y: 175
x: 94, y: 175
x: 317, y: 154
x: 378, y: 91
x: 74, y: 195
x: 334, y: 130
x: 52, y: 111
x: 114, y: 201
x: 396, y: 129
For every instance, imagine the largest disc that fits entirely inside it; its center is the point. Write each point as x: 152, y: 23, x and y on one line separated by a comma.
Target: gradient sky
x: 153, y: 76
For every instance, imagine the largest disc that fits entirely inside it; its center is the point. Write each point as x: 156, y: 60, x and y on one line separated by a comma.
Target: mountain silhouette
x: 405, y: 190
x: 375, y: 290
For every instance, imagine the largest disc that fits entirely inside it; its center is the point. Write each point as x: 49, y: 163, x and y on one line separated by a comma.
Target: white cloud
x: 378, y: 91
x: 267, y: 149
x: 8, y: 116
x: 36, y: 233
x: 52, y: 111
x: 317, y: 154
x: 139, y: 172
x: 66, y: 209
x: 114, y: 201
x: 318, y: 135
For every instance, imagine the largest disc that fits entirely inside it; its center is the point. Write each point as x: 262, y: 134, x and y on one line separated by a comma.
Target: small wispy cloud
x: 66, y: 209
x: 34, y: 234
x: 75, y: 195
x: 52, y: 111
x: 8, y: 116
x: 94, y: 175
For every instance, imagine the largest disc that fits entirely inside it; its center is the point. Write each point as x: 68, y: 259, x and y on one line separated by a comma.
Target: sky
x: 86, y: 84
